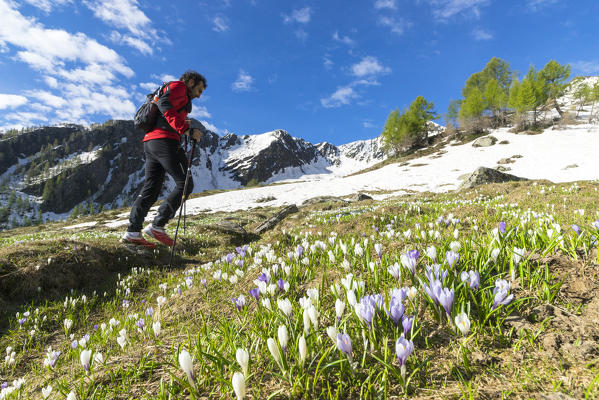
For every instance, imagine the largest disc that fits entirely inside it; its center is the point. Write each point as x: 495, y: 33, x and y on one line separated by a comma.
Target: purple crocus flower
x: 446, y: 299
x: 4, y: 385
x: 502, y: 227
x: 576, y: 229
x: 241, y: 251
x: 501, y: 297
x: 344, y: 343
x: 22, y: 321
x: 399, y: 293
x: 149, y: 311
x: 406, y: 323
x: 263, y: 277
x: 472, y: 278
x: 452, y: 258
x: 229, y: 258
x: 435, y: 272
x: 366, y: 310
x: 403, y: 349
x: 596, y: 224
x: 239, y: 302
x: 95, y: 327
x: 86, y: 337
x: 434, y: 290
x: 126, y: 303
x: 239, y: 263
x: 299, y: 251
x: 281, y: 284
x: 255, y: 293
x: 74, y: 344
x: 203, y: 282
x: 396, y: 310
x: 141, y: 324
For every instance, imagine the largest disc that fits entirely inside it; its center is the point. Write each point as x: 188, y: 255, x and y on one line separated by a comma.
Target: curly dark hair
x: 195, y: 76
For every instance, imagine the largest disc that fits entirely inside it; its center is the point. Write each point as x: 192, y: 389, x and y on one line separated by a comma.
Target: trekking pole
x: 184, y: 203
x: 183, y: 199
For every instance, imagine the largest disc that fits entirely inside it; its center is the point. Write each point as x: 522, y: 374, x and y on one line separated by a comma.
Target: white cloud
x: 132, y: 41
x: 47, y: 49
x: 301, y: 34
x: 536, y: 5
x: 301, y: 16
x: 378, y: 4
x: 51, y: 81
x: 367, y: 123
x: 445, y: 9
x: 342, y: 96
x: 11, y: 101
x: 26, y: 118
x: 164, y: 78
x: 47, y: 98
x: 126, y: 15
x: 328, y: 63
x: 200, y: 112
x: 149, y: 86
x: 47, y: 5
x: 397, y: 25
x: 586, y: 67
x: 220, y: 24
x: 481, y: 34
x: 369, y: 66
x: 243, y: 83
x: 345, y: 39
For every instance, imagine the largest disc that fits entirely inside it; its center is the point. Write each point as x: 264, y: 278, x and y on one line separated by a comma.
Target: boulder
x: 357, y: 197
x: 323, y: 199
x: 484, y: 141
x: 484, y: 175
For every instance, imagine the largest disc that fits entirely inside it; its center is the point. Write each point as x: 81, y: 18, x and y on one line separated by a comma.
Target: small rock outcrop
x: 483, y: 176
x: 275, y: 219
x: 484, y: 141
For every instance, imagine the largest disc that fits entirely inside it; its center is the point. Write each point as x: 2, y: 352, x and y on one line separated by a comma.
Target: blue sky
x: 327, y: 70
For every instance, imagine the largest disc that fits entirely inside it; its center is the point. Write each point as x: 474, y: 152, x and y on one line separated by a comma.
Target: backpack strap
x: 161, y: 122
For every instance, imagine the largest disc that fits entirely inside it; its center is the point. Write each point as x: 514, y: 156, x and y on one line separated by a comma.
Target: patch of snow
x: 81, y: 225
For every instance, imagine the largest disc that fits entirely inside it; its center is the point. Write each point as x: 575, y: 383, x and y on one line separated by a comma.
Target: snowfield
x: 558, y: 155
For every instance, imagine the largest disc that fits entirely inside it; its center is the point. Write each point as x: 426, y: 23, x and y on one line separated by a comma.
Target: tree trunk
x: 559, y: 110
x: 591, y: 114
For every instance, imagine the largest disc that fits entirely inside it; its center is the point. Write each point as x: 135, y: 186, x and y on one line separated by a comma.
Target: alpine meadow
x: 391, y: 199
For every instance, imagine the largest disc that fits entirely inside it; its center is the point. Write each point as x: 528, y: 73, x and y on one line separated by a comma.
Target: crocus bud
x: 186, y: 364
x: 283, y: 336
x: 239, y: 385
x: 157, y: 328
x: 274, y: 350
x: 85, y: 357
x: 303, y: 349
x: 243, y: 358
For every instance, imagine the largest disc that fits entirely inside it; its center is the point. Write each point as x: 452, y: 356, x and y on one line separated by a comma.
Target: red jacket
x: 174, y: 103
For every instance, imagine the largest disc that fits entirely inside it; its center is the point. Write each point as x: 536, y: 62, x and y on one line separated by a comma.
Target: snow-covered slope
x: 558, y: 155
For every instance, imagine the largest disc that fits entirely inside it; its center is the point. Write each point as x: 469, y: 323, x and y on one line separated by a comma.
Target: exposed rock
x: 229, y: 228
x: 501, y: 168
x: 504, y: 142
x: 506, y: 161
x: 278, y: 217
x: 356, y: 197
x: 266, y: 199
x: 323, y: 199
x: 571, y: 166
x: 484, y: 141
x: 485, y: 175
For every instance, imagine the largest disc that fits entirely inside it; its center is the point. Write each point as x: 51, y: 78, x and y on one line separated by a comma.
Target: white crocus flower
x: 243, y: 359
x: 339, y: 308
x: 157, y: 328
x: 67, y: 326
x: 463, y: 323
x: 285, y: 306
x: 274, y: 351
x: 238, y: 382
x: 46, y: 391
x: 332, y: 333
x: 303, y: 349
x: 283, y: 336
x: 85, y: 358
x: 186, y: 364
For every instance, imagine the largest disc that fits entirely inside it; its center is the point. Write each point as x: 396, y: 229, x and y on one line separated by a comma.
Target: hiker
x: 163, y: 151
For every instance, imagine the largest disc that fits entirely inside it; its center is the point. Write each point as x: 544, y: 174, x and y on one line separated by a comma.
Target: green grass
x: 513, y: 350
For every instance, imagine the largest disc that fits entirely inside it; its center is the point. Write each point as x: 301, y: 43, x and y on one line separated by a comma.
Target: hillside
x: 73, y: 289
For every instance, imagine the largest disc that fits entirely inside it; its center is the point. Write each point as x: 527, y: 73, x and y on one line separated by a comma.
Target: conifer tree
x: 495, y: 98
x: 594, y: 97
x: 582, y: 95
x: 391, y: 130
x: 555, y: 76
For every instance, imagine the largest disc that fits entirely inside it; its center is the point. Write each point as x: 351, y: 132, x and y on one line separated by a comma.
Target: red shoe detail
x: 162, y: 237
x: 139, y: 241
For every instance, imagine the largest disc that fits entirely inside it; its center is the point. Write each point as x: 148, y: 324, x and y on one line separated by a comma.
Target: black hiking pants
x: 162, y: 155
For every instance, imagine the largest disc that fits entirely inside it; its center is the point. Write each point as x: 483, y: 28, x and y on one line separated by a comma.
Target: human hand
x: 196, y: 134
